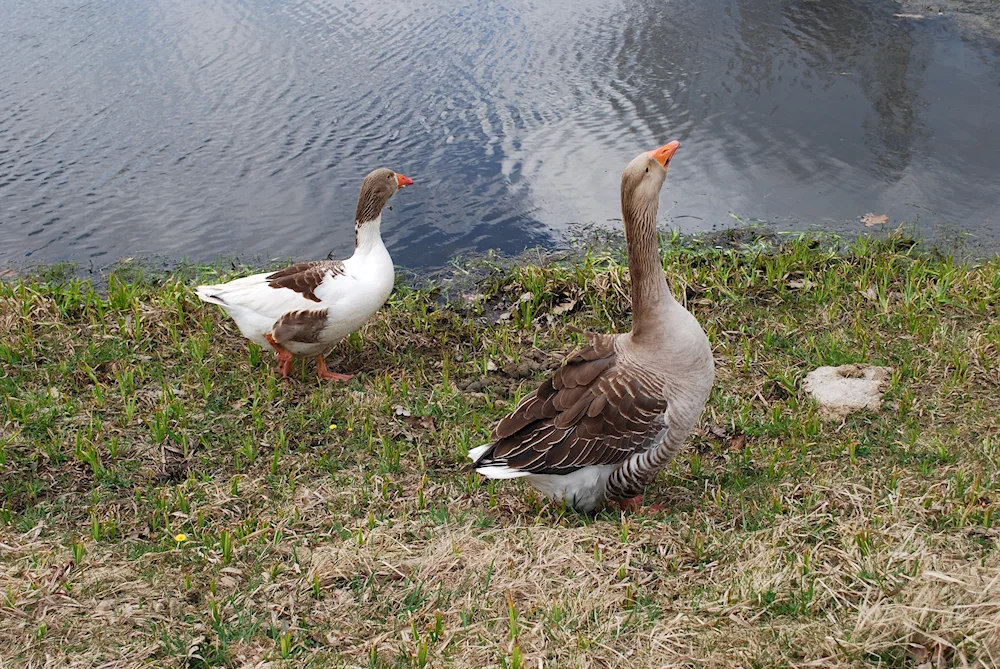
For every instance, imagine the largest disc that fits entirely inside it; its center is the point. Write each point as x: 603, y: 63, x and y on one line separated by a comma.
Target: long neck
x: 368, y: 236
x: 650, y: 294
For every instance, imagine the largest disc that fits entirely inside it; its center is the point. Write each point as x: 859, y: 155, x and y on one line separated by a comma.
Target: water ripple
x: 204, y: 128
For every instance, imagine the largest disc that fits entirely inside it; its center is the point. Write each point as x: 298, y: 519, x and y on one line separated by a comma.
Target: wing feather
x: 306, y: 277
x: 590, y: 411
x: 271, y: 295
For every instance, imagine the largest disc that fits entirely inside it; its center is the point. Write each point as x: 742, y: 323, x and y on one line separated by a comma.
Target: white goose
x: 305, y: 309
x: 603, y: 425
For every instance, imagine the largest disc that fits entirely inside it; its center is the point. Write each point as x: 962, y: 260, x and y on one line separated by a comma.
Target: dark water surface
x: 208, y: 128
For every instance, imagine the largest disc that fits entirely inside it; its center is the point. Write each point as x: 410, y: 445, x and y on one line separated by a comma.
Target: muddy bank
x: 977, y: 18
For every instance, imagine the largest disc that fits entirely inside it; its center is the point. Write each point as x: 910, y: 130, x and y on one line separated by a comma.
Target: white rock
x: 842, y: 390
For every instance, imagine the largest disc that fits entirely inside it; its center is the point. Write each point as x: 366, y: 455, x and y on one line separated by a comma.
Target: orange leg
x: 326, y: 375
x: 634, y: 505
x: 285, y: 358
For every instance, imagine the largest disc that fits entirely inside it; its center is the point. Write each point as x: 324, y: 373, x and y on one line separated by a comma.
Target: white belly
x: 583, y: 490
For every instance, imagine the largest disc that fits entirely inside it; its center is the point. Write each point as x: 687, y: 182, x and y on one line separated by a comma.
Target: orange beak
x: 403, y: 181
x: 665, y: 152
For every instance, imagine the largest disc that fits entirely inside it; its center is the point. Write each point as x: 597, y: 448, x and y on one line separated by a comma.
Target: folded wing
x: 586, y: 413
x: 301, y: 287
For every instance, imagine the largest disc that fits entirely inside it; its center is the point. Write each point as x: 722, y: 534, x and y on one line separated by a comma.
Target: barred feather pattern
x: 594, y: 410
x: 305, y: 326
x: 687, y: 401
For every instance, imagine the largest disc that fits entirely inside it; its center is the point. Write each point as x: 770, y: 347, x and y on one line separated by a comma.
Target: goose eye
x: 647, y: 169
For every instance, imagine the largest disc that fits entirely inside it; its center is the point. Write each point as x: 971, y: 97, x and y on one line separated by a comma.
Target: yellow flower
x: 180, y: 538
x: 333, y: 426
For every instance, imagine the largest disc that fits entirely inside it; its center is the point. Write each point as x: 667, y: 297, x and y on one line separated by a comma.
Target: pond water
x: 202, y: 129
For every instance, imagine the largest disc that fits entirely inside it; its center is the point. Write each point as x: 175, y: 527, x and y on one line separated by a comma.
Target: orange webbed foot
x: 326, y: 375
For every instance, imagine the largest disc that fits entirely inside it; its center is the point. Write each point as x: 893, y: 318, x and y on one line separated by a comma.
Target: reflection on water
x: 204, y: 128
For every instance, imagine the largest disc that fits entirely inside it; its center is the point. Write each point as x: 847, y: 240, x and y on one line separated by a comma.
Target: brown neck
x: 650, y: 294
x: 370, y: 204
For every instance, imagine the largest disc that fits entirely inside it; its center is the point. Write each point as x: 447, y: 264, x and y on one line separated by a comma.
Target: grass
x: 166, y: 500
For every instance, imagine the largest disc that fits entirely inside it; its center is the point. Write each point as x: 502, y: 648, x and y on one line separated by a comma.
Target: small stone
x: 471, y: 299
x: 840, y: 391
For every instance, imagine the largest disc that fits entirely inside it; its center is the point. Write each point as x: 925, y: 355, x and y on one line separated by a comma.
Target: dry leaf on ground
x: 872, y: 219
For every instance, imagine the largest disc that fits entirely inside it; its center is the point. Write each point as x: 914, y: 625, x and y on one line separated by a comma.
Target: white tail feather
x: 501, y: 472
x: 493, y: 471
x: 207, y: 294
x: 477, y: 452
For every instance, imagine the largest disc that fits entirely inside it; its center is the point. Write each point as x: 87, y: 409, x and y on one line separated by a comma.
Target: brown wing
x: 587, y: 413
x: 304, y: 326
x: 305, y: 277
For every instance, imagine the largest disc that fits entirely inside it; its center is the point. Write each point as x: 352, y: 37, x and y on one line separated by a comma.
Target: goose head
x: 643, y: 179
x: 376, y: 189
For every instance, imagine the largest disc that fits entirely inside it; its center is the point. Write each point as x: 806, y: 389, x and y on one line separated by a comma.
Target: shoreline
x: 468, y: 268
x: 975, y: 18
